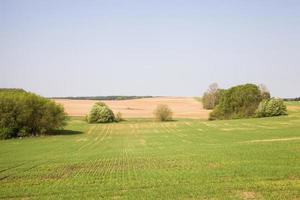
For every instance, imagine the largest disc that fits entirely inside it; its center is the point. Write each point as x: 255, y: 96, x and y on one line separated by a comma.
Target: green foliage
x: 6, y: 133
x: 271, y: 107
x: 100, y: 104
x: 100, y: 113
x: 163, y: 113
x: 237, y: 102
x: 26, y: 114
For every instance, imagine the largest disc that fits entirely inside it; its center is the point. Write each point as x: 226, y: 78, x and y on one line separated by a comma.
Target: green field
x: 142, y: 159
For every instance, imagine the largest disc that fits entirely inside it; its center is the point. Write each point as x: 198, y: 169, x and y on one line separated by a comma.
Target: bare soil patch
x: 182, y: 107
x: 249, y: 195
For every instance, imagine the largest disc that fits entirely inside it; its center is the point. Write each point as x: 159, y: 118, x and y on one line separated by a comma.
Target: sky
x: 142, y: 47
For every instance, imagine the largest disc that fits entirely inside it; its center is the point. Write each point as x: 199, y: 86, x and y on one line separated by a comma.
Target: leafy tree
x: 100, y: 113
x: 211, y: 97
x: 163, y: 113
x: 237, y: 102
x: 25, y: 114
x: 265, y: 93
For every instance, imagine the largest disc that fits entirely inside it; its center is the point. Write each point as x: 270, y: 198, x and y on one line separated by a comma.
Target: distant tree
x: 237, y: 102
x: 26, y: 114
x: 265, y: 93
x: 163, y: 113
x: 211, y: 97
x: 119, y: 117
x: 292, y: 99
x: 100, y: 113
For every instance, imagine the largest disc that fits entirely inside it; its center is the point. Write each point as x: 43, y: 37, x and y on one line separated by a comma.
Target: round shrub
x: 271, y: 107
x: 163, y: 113
x: 26, y: 114
x: 100, y: 113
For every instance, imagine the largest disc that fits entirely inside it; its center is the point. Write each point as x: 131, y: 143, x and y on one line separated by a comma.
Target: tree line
x: 292, y: 99
x: 103, y: 98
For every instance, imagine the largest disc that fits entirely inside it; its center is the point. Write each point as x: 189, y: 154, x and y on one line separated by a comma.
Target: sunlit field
x: 144, y: 159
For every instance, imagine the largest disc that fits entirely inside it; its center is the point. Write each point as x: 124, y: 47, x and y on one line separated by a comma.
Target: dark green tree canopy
x: 237, y: 102
x: 23, y: 114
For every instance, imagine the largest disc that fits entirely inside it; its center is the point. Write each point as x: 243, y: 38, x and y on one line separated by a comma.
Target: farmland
x: 183, y: 107
x: 140, y: 158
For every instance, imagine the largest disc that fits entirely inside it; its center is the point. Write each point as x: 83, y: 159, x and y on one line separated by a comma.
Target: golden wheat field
x: 182, y: 107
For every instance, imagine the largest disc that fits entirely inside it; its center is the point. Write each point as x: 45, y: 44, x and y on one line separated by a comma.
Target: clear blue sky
x: 77, y: 48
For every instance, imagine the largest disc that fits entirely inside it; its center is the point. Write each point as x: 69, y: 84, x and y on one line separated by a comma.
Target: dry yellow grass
x: 182, y: 107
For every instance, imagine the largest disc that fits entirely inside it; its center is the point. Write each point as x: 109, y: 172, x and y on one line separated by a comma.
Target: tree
x: 163, y: 113
x: 265, y: 93
x: 100, y: 113
x: 237, y: 102
x: 211, y: 97
x: 119, y: 117
x: 26, y: 114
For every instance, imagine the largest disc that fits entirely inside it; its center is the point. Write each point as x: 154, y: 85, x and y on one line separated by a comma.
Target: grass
x: 292, y: 103
x: 142, y: 159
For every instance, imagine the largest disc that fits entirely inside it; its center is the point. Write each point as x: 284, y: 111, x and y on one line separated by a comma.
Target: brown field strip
x: 293, y: 108
x: 183, y: 107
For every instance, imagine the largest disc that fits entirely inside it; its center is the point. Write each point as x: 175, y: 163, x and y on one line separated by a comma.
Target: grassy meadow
x: 143, y: 159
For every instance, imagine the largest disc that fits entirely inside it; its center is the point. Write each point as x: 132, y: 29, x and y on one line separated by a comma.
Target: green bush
x: 163, y: 113
x: 271, y: 107
x: 237, y: 102
x: 26, y: 114
x: 100, y: 113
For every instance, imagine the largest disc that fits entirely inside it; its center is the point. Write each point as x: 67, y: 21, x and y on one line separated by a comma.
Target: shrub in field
x: 100, y: 113
x: 119, y: 117
x: 237, y: 102
x: 26, y: 114
x: 211, y: 97
x: 271, y: 107
x: 163, y: 113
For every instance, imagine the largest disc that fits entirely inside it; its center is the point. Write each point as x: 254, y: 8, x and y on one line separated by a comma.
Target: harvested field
x: 293, y: 108
x: 293, y: 105
x: 183, y: 107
